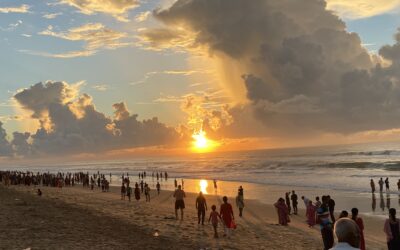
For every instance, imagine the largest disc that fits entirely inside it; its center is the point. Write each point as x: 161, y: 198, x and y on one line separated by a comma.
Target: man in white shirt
x: 348, y: 235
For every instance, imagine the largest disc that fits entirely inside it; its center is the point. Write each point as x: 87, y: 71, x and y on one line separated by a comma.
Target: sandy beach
x: 78, y: 218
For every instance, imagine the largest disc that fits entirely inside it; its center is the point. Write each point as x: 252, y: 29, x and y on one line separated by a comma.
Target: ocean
x: 267, y: 173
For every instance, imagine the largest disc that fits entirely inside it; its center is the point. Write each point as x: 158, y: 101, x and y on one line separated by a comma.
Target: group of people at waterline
x: 382, y: 183
x: 349, y: 230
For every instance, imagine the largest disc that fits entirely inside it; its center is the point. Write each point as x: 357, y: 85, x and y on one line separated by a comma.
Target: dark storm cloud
x: 301, y: 68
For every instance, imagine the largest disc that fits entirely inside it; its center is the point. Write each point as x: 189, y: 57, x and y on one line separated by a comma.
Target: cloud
x: 148, y: 75
x: 21, y: 9
x: 298, y: 67
x: 143, y: 16
x: 101, y: 87
x: 70, y: 124
x: 116, y: 8
x: 5, y: 146
x: 95, y: 35
x: 355, y: 9
x: 52, y: 15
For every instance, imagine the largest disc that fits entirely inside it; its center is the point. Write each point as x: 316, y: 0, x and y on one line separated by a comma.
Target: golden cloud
x: 361, y: 8
x: 117, y: 8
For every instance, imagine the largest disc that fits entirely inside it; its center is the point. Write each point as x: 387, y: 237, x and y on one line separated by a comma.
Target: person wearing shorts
x: 179, y: 195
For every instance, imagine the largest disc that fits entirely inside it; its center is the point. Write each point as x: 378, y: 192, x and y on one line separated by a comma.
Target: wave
x: 369, y: 153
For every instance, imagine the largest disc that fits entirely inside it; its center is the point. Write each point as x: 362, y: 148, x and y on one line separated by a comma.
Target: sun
x: 201, y: 143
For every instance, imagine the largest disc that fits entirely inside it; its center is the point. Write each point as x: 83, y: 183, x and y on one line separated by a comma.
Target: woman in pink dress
x: 311, y: 213
x: 283, y: 212
x: 360, y: 224
x: 226, y: 213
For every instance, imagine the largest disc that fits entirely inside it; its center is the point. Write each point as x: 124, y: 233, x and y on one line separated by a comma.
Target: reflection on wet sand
x: 388, y: 200
x: 382, y: 203
x: 374, y: 202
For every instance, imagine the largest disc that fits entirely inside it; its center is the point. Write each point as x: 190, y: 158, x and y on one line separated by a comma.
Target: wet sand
x: 77, y: 218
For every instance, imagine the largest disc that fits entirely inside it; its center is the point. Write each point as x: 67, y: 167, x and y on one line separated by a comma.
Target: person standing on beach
x: 215, y: 184
x: 123, y: 191
x: 129, y: 192
x: 398, y: 185
x: 147, y: 192
x: 179, y: 195
x: 323, y: 218
x: 387, y: 183
x: 214, y: 217
x: 287, y: 199
x: 317, y: 202
x: 392, y: 230
x: 372, y: 183
x: 227, y: 216
x: 360, y: 224
x: 311, y: 213
x: 137, y: 192
x: 240, y: 203
x: 380, y: 182
x: 283, y: 213
x: 176, y: 183
x: 158, y: 186
x: 294, y: 198
x: 331, y: 205
x: 201, y: 206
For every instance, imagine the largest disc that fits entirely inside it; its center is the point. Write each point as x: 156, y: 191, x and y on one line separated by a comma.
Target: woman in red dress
x: 283, y: 212
x: 226, y: 213
x: 360, y: 223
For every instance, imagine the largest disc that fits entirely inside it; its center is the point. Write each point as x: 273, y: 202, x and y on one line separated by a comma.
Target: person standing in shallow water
x: 387, y: 183
x: 392, y: 230
x: 380, y: 182
x: 372, y: 183
x: 201, y: 206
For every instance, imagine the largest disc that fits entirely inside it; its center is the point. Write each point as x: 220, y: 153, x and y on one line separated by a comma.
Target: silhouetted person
x: 201, y: 206
x: 372, y: 183
x: 323, y: 216
x: 380, y: 182
x: 387, y: 183
x: 179, y: 201
x: 331, y: 205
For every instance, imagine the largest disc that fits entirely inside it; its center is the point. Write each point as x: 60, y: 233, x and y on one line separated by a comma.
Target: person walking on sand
x: 380, y: 182
x: 240, y: 204
x: 214, y: 217
x: 287, y: 199
x: 311, y: 213
x: 323, y: 217
x: 372, y: 183
x: 123, y: 191
x: 158, y: 186
x: 227, y: 216
x: 392, y: 230
x: 201, y: 206
x: 294, y: 198
x: 137, y: 192
x: 283, y: 213
x: 179, y: 195
x: 387, y: 183
x: 360, y: 224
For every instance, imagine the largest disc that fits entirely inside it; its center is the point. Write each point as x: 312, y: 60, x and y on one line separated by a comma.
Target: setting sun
x: 201, y: 143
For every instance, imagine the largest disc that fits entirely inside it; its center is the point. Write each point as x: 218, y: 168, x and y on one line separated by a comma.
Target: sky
x: 87, y: 76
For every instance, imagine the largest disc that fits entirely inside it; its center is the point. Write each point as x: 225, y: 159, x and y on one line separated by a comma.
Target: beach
x: 79, y: 218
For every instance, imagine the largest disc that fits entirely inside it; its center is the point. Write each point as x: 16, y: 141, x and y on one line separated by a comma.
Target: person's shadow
x: 373, y: 202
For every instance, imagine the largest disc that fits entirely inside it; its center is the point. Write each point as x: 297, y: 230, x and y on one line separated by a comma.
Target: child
x: 214, y: 215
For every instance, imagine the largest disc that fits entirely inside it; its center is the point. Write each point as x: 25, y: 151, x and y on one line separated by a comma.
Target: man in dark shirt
x: 331, y: 205
x: 201, y: 206
x: 294, y: 198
